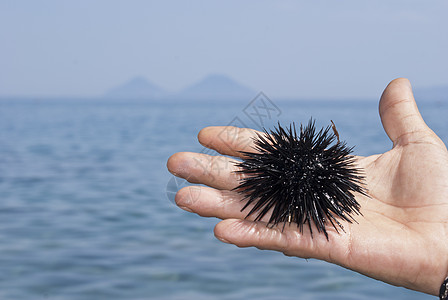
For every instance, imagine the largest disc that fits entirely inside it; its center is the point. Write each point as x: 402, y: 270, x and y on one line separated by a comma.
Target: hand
x: 402, y: 237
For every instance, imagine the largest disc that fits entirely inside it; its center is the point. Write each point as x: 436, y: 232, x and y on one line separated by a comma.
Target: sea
x: 87, y: 212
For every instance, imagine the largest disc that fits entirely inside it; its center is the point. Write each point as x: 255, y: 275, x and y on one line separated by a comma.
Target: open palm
x: 402, y: 236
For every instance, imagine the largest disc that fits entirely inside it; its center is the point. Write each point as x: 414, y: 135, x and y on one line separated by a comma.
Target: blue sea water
x: 85, y: 209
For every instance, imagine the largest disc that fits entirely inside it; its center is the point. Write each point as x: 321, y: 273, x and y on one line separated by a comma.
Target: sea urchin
x: 302, y: 178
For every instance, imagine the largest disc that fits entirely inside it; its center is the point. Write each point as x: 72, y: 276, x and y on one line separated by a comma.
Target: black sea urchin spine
x: 302, y: 178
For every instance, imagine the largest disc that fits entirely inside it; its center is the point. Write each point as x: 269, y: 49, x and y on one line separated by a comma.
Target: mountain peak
x: 217, y: 86
x: 217, y: 78
x: 137, y: 88
x: 139, y: 80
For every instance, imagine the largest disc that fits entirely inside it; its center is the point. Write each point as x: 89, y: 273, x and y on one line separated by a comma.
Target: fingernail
x: 185, y: 208
x: 408, y: 83
x: 223, y: 240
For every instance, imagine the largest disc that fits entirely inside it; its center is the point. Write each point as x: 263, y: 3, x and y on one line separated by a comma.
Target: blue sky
x: 317, y: 49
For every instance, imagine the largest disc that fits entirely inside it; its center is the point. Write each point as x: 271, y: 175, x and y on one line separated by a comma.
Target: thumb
x: 399, y: 113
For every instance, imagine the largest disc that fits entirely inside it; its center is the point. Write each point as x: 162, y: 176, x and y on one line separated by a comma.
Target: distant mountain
x: 136, y: 88
x: 212, y: 87
x: 216, y: 87
x: 435, y: 93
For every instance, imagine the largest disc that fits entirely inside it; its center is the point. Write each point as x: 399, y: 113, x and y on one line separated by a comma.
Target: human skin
x: 401, y: 237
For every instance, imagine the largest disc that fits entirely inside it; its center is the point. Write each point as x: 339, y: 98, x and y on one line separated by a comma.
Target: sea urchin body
x: 304, y: 178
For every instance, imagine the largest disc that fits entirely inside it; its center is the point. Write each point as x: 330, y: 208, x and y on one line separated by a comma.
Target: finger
x: 399, y: 113
x: 215, y: 171
x: 228, y: 140
x: 209, y: 202
x: 223, y: 204
x: 290, y: 240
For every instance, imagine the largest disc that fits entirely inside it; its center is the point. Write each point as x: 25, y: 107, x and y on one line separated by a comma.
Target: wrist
x: 432, y: 273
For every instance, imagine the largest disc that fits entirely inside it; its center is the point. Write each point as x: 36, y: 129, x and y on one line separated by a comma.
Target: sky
x: 294, y: 49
